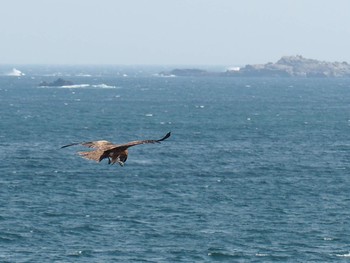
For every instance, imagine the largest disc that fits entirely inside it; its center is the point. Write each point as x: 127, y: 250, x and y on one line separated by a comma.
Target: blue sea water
x: 256, y: 169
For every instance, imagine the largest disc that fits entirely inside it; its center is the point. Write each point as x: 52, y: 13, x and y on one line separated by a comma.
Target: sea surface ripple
x: 256, y: 170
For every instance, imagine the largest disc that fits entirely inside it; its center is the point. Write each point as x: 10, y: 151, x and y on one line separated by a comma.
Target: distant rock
x: 187, y: 73
x: 296, y: 66
x: 288, y: 66
x: 57, y: 83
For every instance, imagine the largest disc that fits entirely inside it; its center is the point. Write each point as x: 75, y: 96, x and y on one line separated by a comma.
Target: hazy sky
x: 193, y: 32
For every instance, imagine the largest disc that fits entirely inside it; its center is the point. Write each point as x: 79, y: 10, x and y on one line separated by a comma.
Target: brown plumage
x: 116, y: 153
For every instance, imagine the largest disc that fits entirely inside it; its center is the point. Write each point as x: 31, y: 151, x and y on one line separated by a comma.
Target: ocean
x: 256, y: 169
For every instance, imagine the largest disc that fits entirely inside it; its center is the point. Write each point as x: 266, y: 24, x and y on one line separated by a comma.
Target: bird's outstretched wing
x: 125, y: 146
x: 93, y: 144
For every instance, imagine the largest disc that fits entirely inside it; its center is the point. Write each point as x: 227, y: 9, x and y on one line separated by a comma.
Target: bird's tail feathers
x: 92, y: 155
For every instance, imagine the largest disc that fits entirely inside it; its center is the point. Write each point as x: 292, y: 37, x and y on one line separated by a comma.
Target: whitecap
x: 141, y: 162
x: 76, y: 253
x: 165, y: 75
x: 343, y: 255
x: 103, y: 86
x: 261, y: 255
x: 75, y: 86
x: 149, y: 115
x: 15, y: 73
x: 83, y: 75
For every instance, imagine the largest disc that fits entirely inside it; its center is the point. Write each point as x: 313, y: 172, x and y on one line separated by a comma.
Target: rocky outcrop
x: 288, y: 66
x: 57, y: 83
x: 295, y: 66
x: 186, y: 73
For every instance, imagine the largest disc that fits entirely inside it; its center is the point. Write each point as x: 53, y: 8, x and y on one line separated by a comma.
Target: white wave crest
x: 75, y: 86
x: 343, y: 255
x: 80, y: 86
x: 15, y: 73
x: 104, y: 86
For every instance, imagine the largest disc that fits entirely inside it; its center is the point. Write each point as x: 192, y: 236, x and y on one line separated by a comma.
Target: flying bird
x: 116, y: 153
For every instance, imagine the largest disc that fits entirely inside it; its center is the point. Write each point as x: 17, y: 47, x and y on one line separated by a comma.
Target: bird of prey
x: 116, y: 153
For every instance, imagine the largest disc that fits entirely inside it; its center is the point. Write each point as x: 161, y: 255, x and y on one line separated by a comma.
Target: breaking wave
x: 104, y: 86
x: 78, y: 86
x: 14, y: 73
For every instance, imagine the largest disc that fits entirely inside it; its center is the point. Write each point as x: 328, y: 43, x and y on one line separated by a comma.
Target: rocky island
x: 287, y: 66
x: 57, y: 83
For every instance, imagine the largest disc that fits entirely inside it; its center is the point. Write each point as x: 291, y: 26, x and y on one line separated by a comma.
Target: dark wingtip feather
x: 64, y: 146
x: 165, y: 137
